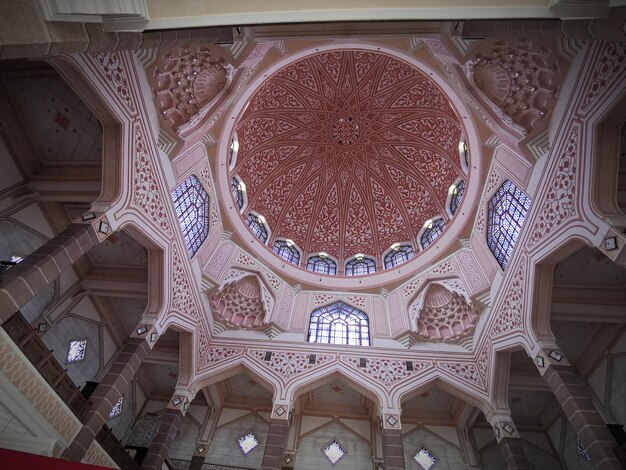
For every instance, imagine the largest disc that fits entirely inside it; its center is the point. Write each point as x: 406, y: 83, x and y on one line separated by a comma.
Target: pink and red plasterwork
x: 239, y: 303
x: 146, y: 191
x: 560, y: 201
x: 464, y: 370
x: 220, y: 260
x: 290, y: 364
x: 182, y: 297
x: 509, y: 312
x: 386, y: 371
x: 612, y: 63
x: 333, y: 142
x: 111, y: 64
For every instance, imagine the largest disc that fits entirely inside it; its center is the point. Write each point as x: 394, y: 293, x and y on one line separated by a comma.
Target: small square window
x: 76, y: 351
x: 334, y: 451
x: 425, y: 459
x: 117, y: 409
x: 247, y: 443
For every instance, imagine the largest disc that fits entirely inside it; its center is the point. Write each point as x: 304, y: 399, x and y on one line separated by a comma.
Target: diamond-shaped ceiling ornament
x: 279, y: 410
x: 392, y: 420
x: 247, y: 442
x: 425, y: 459
x: 334, y: 451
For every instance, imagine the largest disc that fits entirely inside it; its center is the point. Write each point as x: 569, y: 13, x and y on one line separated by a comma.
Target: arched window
x: 464, y: 154
x: 233, y: 149
x: 506, y: 212
x: 339, y: 323
x: 192, y: 208
x: 457, y: 196
x: 360, y: 266
x: 236, y: 187
x: 287, y: 251
x: 256, y: 224
x: 399, y: 254
x: 321, y: 264
x: 434, y: 228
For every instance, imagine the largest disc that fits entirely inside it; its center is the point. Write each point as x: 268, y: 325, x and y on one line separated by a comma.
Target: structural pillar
x: 277, y: 437
x: 19, y: 284
x: 160, y: 445
x: 509, y: 441
x: 106, y: 395
x: 574, y: 396
x: 391, y: 434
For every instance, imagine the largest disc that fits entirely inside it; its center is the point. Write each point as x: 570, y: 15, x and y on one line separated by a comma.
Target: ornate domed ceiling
x: 348, y: 151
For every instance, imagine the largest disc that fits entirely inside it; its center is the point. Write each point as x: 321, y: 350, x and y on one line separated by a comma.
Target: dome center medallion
x: 346, y: 130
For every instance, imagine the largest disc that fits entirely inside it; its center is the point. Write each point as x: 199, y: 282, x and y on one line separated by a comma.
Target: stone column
x: 574, y: 396
x: 160, y: 445
x: 106, y: 395
x: 393, y: 451
x: 509, y: 441
x: 276, y: 437
x: 19, y: 284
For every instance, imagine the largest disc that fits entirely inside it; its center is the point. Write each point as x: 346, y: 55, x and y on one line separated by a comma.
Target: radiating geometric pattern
x: 360, y: 267
x: 286, y: 251
x: 192, y: 208
x: 235, y: 187
x: 339, y: 323
x: 247, y: 442
x: 582, y: 452
x: 429, y: 235
x: 455, y: 201
x: 257, y: 227
x: 117, y: 409
x: 76, y: 351
x: 348, y: 151
x: 333, y: 451
x: 425, y: 459
x: 321, y: 264
x: 506, y: 212
x: 398, y: 255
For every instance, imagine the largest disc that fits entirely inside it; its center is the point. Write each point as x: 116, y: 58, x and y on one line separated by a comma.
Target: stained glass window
x: 457, y: 195
x: 287, y: 251
x: 425, y: 459
x: 360, y: 266
x: 506, y: 210
x: 339, y: 323
x: 247, y: 442
x: 237, y: 190
x: 192, y: 208
x: 321, y: 264
x: 582, y: 452
x: 432, y: 232
x: 334, y: 451
x: 257, y: 226
x: 76, y: 351
x: 117, y: 409
x: 399, y: 254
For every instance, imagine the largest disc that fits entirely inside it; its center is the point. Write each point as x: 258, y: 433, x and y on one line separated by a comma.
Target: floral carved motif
x: 289, y: 364
x: 476, y: 279
x: 387, y: 371
x: 393, y: 307
x: 509, y: 314
x: 560, y: 201
x: 207, y: 179
x: 482, y: 361
x: 111, y: 64
x: 219, y: 259
x: 210, y: 354
x: 464, y: 370
x: 147, y: 194
x: 521, y: 78
x: 612, y: 63
x: 185, y: 81
x: 182, y: 297
x: 286, y: 304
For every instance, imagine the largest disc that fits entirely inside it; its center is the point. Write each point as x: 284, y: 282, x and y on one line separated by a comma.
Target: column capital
x: 98, y: 221
x: 613, y: 245
x: 549, y: 356
x: 390, y: 418
x: 503, y: 425
x: 281, y: 409
x: 181, y: 400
